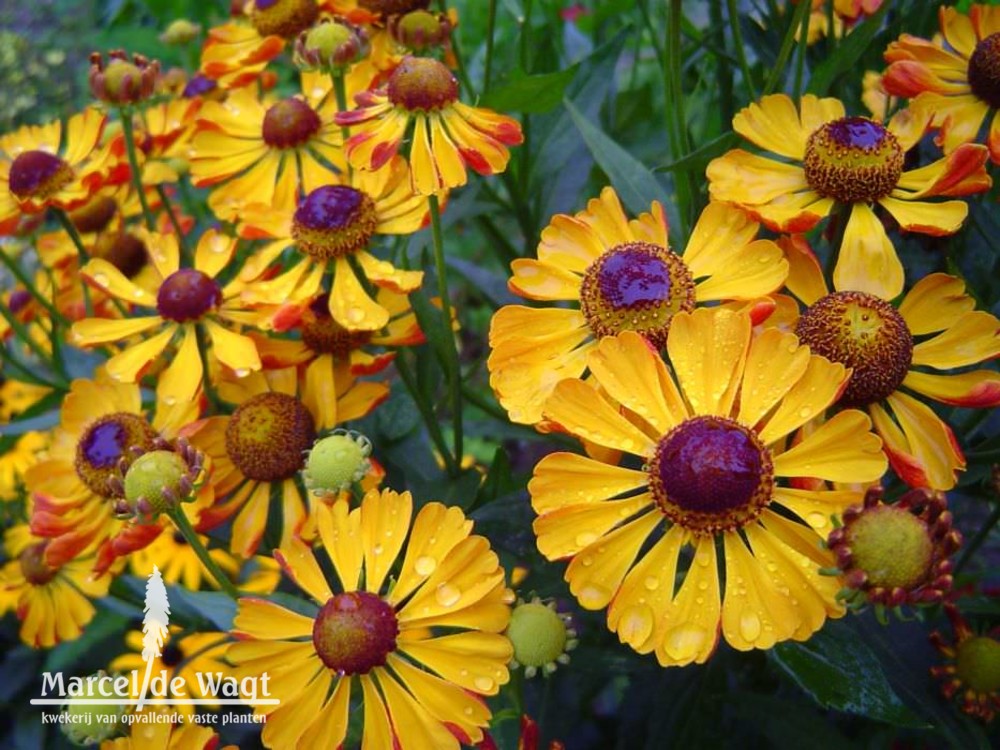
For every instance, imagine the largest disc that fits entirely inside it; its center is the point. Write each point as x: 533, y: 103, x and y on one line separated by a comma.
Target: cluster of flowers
x: 735, y: 413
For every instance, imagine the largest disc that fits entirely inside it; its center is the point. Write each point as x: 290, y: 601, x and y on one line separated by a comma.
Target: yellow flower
x: 620, y: 275
x: 955, y: 76
x: 447, y: 134
x: 714, y: 439
x: 263, y: 444
x: 829, y: 160
x: 163, y: 734
x: 331, y: 228
x: 259, y: 151
x: 185, y: 300
x: 17, y: 459
x: 420, y: 687
x: 898, y: 352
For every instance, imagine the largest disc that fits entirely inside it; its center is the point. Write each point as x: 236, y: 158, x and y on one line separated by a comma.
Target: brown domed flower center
x: 290, y: 123
x: 284, y: 18
x: 38, y: 174
x: 104, y: 444
x: 420, y: 29
x: 711, y: 474
x: 171, y: 656
x: 638, y: 287
x: 892, y: 546
x: 853, y: 160
x: 186, y: 295
x: 268, y: 436
x: 864, y: 333
x: 984, y: 70
x: 393, y: 7
x: 95, y: 215
x: 324, y: 335
x: 123, y: 250
x: 355, y: 632
x: 423, y: 84
x: 33, y: 566
x: 334, y: 221
x: 977, y: 664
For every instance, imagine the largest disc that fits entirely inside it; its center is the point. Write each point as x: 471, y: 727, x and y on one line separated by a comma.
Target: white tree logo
x: 156, y: 617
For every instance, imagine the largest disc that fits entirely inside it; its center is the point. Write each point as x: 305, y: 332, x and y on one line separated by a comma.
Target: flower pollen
x: 892, y: 546
x: 289, y: 124
x: 38, y: 175
x: 284, y: 18
x: 333, y: 221
x: 422, y: 84
x: 984, y: 70
x: 355, y: 632
x: 268, y: 435
x: 105, y: 444
x: 853, y: 160
x: 186, y: 295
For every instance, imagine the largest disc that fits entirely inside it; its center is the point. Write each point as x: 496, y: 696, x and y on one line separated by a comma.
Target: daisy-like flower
x: 828, y: 160
x: 263, y: 445
x: 74, y: 485
x: 972, y: 669
x: 53, y: 602
x: 331, y: 228
x: 185, y: 300
x: 421, y: 687
x: 257, y: 151
x: 164, y: 734
x: 447, y: 135
x: 714, y: 444
x: 898, y: 354
x: 43, y: 166
x: 16, y: 460
x: 955, y: 76
x: 624, y: 276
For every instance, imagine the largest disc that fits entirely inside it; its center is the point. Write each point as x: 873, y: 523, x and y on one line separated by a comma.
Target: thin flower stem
x: 786, y: 48
x: 174, y: 222
x: 491, y: 20
x: 800, y: 61
x: 724, y: 65
x: 82, y: 255
x: 427, y: 412
x: 340, y: 91
x: 191, y: 537
x: 8, y: 359
x: 734, y: 24
x: 977, y: 541
x: 128, y: 130
x: 22, y: 277
x: 681, y: 146
x: 454, y: 366
x: 22, y: 333
x: 210, y: 393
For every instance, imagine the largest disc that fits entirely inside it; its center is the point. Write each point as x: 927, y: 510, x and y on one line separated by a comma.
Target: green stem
x: 723, y: 65
x: 491, y: 20
x: 22, y: 277
x: 206, y: 378
x: 454, y: 366
x: 174, y: 222
x: 800, y: 61
x: 427, y: 412
x: 128, y: 130
x: 82, y: 255
x: 977, y: 541
x: 734, y: 24
x: 191, y: 537
x: 22, y: 333
x: 340, y: 91
x: 801, y: 10
x: 27, y: 376
x: 680, y: 144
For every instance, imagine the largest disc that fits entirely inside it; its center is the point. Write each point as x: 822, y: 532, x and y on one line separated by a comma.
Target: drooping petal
x: 691, y: 621
x: 973, y: 338
x: 935, y: 303
x: 841, y: 450
x: 708, y: 350
x: 774, y: 364
x: 867, y: 261
x: 979, y: 389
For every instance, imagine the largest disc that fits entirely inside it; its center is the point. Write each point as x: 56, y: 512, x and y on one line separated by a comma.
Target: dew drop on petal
x: 585, y: 538
x: 447, y: 595
x: 651, y: 583
x: 636, y: 624
x: 483, y: 684
x: 424, y: 565
x: 750, y: 626
x: 684, y: 642
x: 592, y: 597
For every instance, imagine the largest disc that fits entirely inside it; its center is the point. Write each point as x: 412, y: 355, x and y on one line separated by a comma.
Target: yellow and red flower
x: 421, y: 687
x: 712, y: 435
x: 164, y: 734
x: 623, y: 275
x: 955, y: 77
x: 972, y: 668
x: 827, y: 160
x: 898, y: 351
x: 447, y: 135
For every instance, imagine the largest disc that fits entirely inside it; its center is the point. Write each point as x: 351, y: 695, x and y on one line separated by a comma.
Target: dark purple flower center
x: 199, y: 85
x: 105, y: 444
x: 329, y: 207
x: 984, y: 70
x: 333, y: 221
x: 355, y: 632
x: 857, y: 132
x: 853, y: 160
x: 633, y: 278
x: 38, y: 174
x: 186, y: 295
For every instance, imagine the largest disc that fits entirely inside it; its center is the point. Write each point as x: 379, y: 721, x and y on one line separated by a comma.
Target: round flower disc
x: 984, y: 70
x: 422, y: 84
x: 38, y: 174
x: 853, y: 160
x: 268, y: 435
x: 355, y: 632
x: 186, y: 295
x: 333, y: 221
x: 104, y: 444
x: 284, y: 18
x: 33, y: 566
x: 892, y: 546
x: 289, y: 123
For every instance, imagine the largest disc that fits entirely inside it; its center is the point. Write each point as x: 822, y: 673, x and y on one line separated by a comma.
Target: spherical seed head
x: 284, y: 18
x: 420, y: 29
x: 180, y: 32
x: 123, y: 250
x: 354, y: 632
x: 122, y: 81
x: 105, y: 444
x: 333, y: 221
x: 33, y: 566
x: 95, y: 215
x: 336, y: 461
x: 422, y: 84
x: 711, y: 474
x: 187, y: 294
x: 977, y: 663
x: 637, y: 287
x: 984, y: 70
x: 268, y: 435
x: 853, y: 160
x: 331, y: 46
x: 537, y: 633
x: 289, y: 124
x: 38, y: 175
x: 88, y: 725
x: 156, y: 476
x: 892, y: 546
x: 862, y: 332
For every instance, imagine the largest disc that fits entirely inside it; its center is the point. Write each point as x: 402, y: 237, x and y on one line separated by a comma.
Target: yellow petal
x: 816, y: 506
x: 563, y: 479
x: 820, y: 385
x: 773, y: 124
x: 750, y: 271
x: 775, y: 363
x: 258, y: 618
x: 445, y: 701
x: 977, y: 389
x: 384, y: 274
x: 754, y: 613
x: 935, y: 303
x: 377, y: 734
x: 973, y: 338
x: 290, y: 720
x: 299, y: 564
x: 867, y: 261
x: 566, y: 531
x: 415, y: 728
x: 91, y: 331
x: 708, y: 349
x: 341, y: 535
x: 935, y: 219
x: 235, y: 351
x: 578, y: 409
x: 474, y: 661
x: 127, y: 365
x: 214, y: 252
x: 841, y: 450
x: 436, y: 531
x: 350, y: 304
x: 385, y: 518
x: 330, y: 727
x: 805, y: 277
x: 181, y: 380
x: 932, y: 443
x: 109, y: 279
x: 691, y: 621
x: 541, y: 280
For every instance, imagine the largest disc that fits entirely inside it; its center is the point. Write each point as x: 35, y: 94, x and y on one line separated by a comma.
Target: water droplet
x: 593, y: 597
x: 652, y: 583
x: 585, y: 538
x: 100, y: 279
x: 424, y: 565
x: 636, y: 624
x: 816, y: 519
x: 463, y: 672
x: 447, y: 595
x: 750, y: 626
x: 702, y: 585
x: 467, y: 710
x: 355, y: 314
x: 804, y: 412
x: 377, y: 549
x: 241, y: 372
x: 587, y: 561
x: 483, y: 684
x: 702, y: 558
x: 684, y: 642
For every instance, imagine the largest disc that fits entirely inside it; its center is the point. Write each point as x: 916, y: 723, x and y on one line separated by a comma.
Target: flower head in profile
x: 971, y: 672
x: 620, y: 274
x: 955, y: 76
x: 825, y: 160
x: 447, y: 135
x: 411, y: 627
x: 900, y: 357
x: 715, y: 440
x: 187, y: 302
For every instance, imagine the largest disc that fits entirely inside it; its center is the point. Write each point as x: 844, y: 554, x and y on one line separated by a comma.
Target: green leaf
x: 847, y: 54
x: 702, y: 154
x: 839, y: 671
x: 635, y: 184
x: 498, y: 481
x: 532, y: 94
x: 213, y: 606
